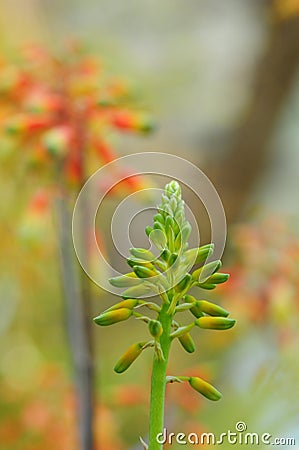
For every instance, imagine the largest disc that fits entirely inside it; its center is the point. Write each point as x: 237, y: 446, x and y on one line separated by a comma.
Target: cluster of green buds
x: 167, y: 278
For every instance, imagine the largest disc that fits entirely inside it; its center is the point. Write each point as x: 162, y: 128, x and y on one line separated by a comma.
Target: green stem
x: 159, y: 382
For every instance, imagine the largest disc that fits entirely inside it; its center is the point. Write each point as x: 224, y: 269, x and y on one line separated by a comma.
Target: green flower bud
x: 148, y: 230
x: 199, y: 255
x: 204, y: 272
x: 155, y: 328
x: 207, y: 286
x: 127, y: 280
x: 159, y: 226
x: 129, y: 357
x: 195, y: 309
x: 211, y: 308
x: 111, y: 317
x: 183, y: 284
x: 139, y: 262
x: 144, y: 272
x: 158, y: 238
x: 187, y: 342
x: 142, y: 253
x: 136, y: 291
x: 165, y: 255
x: 204, y: 388
x: 215, y: 323
x: 218, y: 278
x: 129, y: 303
x: 172, y: 259
x: 159, y: 218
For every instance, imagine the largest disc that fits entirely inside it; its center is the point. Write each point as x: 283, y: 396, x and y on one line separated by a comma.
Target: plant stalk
x: 159, y: 382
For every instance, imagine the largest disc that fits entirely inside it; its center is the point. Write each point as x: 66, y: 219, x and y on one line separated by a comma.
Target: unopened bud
x: 142, y: 253
x: 218, y: 278
x: 211, y: 308
x: 140, y: 262
x: 155, y: 328
x: 215, y: 323
x: 111, y: 317
x: 144, y: 272
x: 127, y: 280
x: 187, y: 342
x: 203, y: 273
x: 204, y: 388
x: 158, y: 238
x: 129, y: 303
x: 136, y: 291
x: 129, y: 357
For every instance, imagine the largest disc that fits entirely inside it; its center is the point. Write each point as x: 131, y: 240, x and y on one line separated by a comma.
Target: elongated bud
x: 165, y: 255
x: 159, y: 226
x: 195, y: 309
x: 127, y: 280
x: 159, y: 218
x: 144, y: 272
x: 142, y: 253
x: 148, y: 230
x: 207, y: 286
x: 182, y: 285
x: 139, y: 262
x: 158, y: 238
x: 172, y: 259
x: 206, y: 271
x: 129, y: 357
x: 205, y: 389
x: 136, y: 291
x: 215, y: 323
x: 211, y: 308
x: 187, y: 342
x: 111, y: 317
x: 129, y: 303
x: 155, y: 328
x: 218, y: 278
x: 199, y: 255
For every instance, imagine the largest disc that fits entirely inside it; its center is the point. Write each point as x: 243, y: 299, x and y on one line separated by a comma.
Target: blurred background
x: 221, y: 81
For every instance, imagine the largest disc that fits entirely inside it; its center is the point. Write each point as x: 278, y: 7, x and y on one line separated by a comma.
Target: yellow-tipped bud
x: 142, y: 253
x: 129, y: 303
x: 203, y: 273
x: 187, y: 342
x: 127, y: 280
x: 218, y: 278
x: 155, y: 328
x: 136, y: 291
x: 111, y: 317
x: 205, y: 389
x: 144, y: 272
x: 211, y: 308
x: 215, y: 323
x: 195, y: 309
x: 129, y: 357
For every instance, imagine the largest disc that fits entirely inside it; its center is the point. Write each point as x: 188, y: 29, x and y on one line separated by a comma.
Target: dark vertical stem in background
x: 76, y: 325
x: 236, y: 174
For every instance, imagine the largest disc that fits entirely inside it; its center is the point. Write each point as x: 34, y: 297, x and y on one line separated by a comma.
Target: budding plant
x: 168, y: 277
